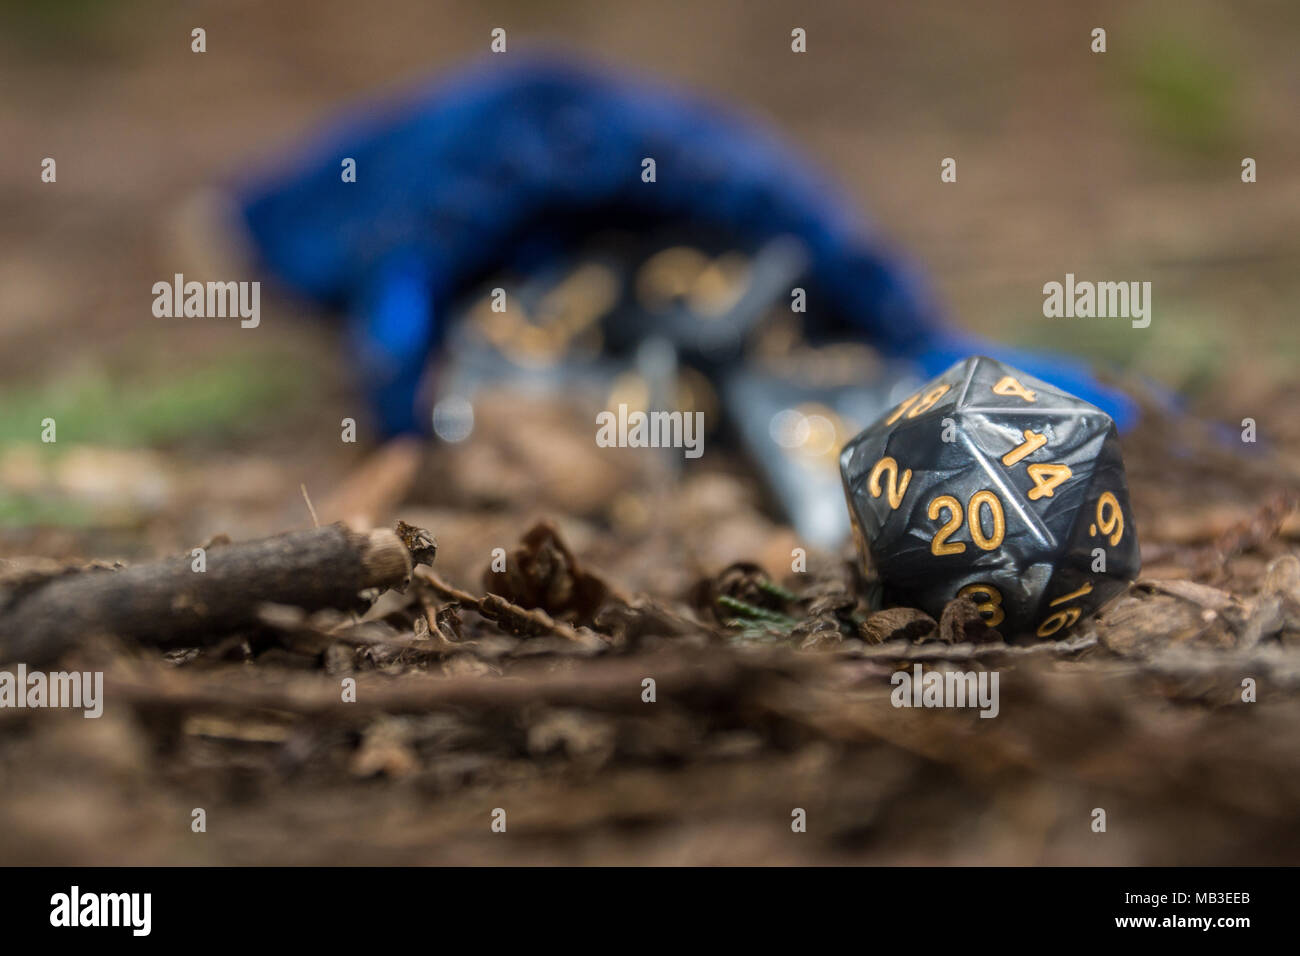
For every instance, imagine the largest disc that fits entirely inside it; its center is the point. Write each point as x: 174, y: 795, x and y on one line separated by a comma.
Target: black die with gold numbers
x: 992, y: 484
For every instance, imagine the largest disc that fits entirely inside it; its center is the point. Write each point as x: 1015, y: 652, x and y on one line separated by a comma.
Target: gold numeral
x: 1110, y: 520
x: 990, y: 608
x: 1009, y: 386
x: 1033, y: 442
x: 894, y: 493
x: 927, y: 402
x: 1086, y: 589
x: 1046, y: 478
x: 940, y: 545
x: 1059, y: 620
x: 977, y: 525
x: 898, y: 412
x: 1066, y: 616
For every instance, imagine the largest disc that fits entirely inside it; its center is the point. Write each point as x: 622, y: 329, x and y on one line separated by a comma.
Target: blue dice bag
x: 506, y: 158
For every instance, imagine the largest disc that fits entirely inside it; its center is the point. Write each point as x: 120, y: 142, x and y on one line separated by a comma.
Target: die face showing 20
x: 993, y: 484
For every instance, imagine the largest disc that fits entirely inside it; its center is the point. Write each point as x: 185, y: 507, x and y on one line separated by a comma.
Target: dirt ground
x: 1124, y: 165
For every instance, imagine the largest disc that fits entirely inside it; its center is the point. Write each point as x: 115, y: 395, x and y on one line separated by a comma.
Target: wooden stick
x: 169, y: 603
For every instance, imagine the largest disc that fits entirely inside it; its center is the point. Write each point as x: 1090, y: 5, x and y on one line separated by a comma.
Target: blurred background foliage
x: 1118, y: 166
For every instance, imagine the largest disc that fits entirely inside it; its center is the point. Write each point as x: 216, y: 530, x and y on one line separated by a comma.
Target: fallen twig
x: 197, y: 599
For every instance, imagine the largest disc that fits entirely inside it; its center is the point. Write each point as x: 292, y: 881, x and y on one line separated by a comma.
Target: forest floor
x: 171, y: 435
x: 466, y: 704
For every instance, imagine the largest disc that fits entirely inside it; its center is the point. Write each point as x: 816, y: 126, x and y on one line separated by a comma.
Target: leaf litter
x: 523, y: 684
